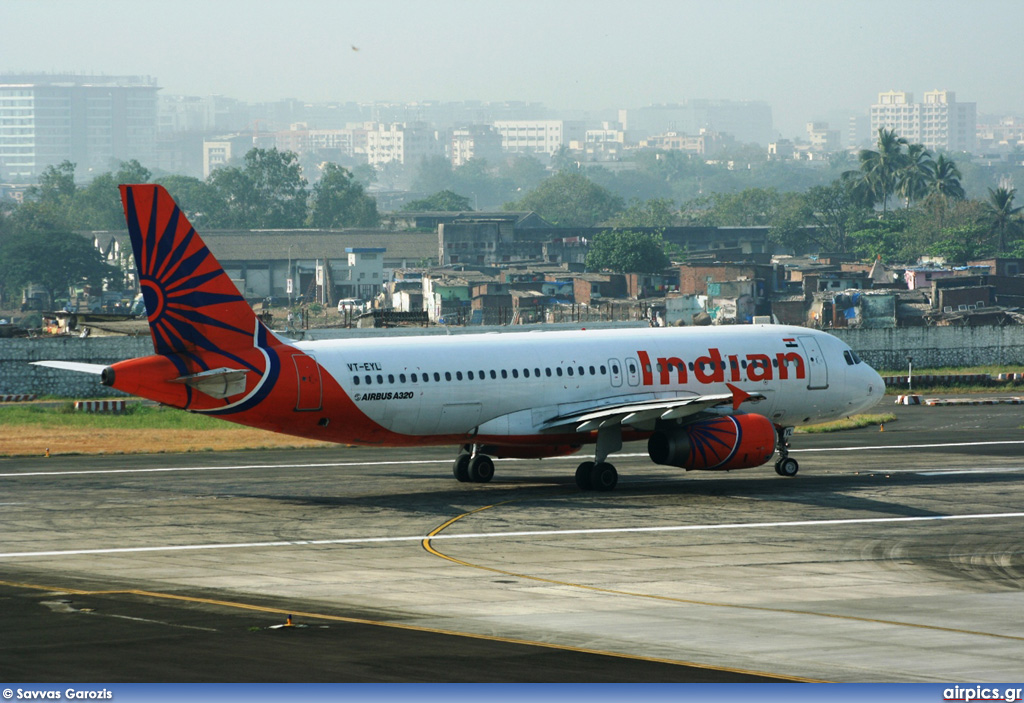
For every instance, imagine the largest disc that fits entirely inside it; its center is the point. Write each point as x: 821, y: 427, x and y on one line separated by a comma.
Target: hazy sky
x: 805, y: 57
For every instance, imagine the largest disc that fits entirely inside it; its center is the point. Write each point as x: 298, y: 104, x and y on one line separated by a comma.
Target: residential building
x: 219, y: 151
x: 940, y: 122
x: 89, y: 120
x: 476, y: 142
x: 405, y: 143
x: 747, y: 121
x: 538, y: 136
x: 823, y: 139
x: 329, y: 142
x: 705, y: 143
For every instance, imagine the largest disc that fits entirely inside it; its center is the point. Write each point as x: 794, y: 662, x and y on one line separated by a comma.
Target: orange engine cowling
x: 733, y: 442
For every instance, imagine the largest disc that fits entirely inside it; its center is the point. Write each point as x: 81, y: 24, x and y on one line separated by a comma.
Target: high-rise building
x: 92, y: 121
x: 940, y: 122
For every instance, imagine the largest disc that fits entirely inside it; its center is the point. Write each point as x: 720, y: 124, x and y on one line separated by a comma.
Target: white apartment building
x: 940, y: 122
x: 301, y: 140
x: 478, y: 142
x: 407, y: 143
x: 218, y: 152
x: 538, y: 136
x: 823, y: 139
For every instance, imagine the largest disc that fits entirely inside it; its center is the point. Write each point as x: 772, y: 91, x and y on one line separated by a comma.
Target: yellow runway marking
x: 381, y: 623
x: 611, y: 591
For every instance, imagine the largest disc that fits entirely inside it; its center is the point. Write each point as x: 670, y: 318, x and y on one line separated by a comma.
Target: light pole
x: 910, y: 372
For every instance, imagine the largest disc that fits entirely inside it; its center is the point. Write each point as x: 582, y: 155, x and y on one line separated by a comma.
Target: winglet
x: 739, y: 396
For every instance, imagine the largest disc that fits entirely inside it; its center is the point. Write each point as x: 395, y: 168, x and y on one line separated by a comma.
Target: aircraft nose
x: 875, y: 387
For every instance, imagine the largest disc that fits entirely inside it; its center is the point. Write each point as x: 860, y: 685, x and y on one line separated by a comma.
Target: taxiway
x: 892, y: 556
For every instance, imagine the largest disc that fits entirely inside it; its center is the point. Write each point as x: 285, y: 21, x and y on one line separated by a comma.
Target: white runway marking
x: 508, y: 535
x: 335, y: 465
x: 911, y: 446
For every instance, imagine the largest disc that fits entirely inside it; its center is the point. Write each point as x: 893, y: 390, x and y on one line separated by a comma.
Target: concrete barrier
x: 937, y: 402
x: 101, y: 406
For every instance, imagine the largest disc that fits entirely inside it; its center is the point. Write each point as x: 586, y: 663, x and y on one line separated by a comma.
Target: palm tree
x: 1001, y: 215
x: 880, y: 167
x: 944, y: 185
x: 917, y: 172
x: 945, y: 180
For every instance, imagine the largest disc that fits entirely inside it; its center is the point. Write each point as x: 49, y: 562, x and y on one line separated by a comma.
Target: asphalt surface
x: 893, y: 556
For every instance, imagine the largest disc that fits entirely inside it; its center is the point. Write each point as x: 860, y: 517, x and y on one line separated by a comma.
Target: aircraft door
x: 817, y: 370
x: 615, y: 372
x: 310, y: 390
x: 632, y: 371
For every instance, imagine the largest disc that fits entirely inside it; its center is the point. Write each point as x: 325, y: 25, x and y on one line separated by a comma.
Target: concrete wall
x: 17, y: 375
x: 936, y: 347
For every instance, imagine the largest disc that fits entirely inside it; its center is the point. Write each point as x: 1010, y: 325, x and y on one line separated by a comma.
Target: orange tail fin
x: 192, y: 305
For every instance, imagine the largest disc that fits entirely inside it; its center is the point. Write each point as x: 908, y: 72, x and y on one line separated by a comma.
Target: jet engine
x: 733, y: 442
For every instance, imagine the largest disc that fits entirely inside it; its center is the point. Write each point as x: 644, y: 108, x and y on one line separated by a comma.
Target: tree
x: 656, y: 212
x: 917, y: 173
x: 339, y: 201
x: 1001, y: 217
x: 570, y: 200
x: 279, y: 186
x: 196, y: 198
x: 751, y: 207
x: 433, y: 174
x: 524, y: 172
x: 98, y: 205
x: 267, y: 192
x: 627, y: 251
x: 962, y: 243
x: 54, y: 260
x: 944, y: 187
x: 56, y: 183
x: 443, y: 201
x: 879, y: 167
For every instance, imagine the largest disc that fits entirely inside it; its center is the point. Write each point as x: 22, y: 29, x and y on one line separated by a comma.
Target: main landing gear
x: 471, y: 467
x: 599, y: 475
x: 785, y: 466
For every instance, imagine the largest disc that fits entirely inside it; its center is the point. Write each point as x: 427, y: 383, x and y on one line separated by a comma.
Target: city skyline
x: 807, y: 60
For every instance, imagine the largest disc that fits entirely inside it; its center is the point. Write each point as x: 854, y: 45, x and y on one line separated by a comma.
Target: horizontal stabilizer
x: 78, y: 366
x: 216, y: 383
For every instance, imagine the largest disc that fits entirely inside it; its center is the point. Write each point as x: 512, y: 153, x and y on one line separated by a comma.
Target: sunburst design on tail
x: 191, y: 303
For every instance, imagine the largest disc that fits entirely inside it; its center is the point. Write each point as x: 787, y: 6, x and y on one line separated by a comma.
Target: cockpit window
x: 851, y: 357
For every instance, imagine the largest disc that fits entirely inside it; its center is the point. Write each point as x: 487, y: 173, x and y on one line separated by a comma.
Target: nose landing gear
x: 785, y: 466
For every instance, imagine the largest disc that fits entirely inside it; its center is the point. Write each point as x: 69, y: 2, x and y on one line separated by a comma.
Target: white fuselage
x: 510, y: 384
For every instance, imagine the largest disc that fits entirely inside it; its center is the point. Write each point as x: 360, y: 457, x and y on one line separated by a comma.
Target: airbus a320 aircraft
x: 714, y: 398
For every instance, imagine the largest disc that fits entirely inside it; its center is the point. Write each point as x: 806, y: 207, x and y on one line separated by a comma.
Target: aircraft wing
x: 642, y: 414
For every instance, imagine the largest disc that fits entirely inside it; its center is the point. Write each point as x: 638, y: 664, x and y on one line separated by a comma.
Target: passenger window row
x: 481, y: 375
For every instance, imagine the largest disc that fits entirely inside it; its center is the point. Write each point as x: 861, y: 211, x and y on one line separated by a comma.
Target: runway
x: 892, y: 556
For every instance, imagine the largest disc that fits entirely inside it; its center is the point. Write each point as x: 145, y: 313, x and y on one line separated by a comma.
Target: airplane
x: 704, y: 398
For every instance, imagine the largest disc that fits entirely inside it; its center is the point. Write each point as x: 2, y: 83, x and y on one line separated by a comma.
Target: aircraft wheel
x: 461, y: 468
x: 583, y: 472
x: 603, y: 477
x: 481, y: 469
x: 787, y: 467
